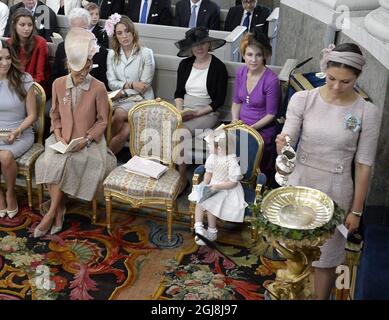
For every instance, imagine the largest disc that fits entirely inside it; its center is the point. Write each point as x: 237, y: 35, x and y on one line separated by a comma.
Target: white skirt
x: 228, y: 205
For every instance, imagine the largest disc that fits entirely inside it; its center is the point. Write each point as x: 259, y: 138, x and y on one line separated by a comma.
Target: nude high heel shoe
x: 13, y: 213
x: 3, y: 212
x: 56, y: 229
x: 40, y: 233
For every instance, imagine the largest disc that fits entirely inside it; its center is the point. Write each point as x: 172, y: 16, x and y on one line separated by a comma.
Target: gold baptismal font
x: 295, y: 221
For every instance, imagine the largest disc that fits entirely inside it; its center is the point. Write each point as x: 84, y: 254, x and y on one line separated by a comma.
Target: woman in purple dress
x: 257, y: 96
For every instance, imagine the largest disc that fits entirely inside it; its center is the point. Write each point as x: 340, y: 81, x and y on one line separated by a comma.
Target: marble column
x: 377, y: 21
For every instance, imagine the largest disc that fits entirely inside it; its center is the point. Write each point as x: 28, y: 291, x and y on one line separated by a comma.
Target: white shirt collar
x: 84, y: 86
x: 33, y: 9
x: 197, y: 4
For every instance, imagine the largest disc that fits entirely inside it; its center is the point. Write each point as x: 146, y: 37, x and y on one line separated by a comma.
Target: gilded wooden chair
x: 26, y: 163
x: 249, y: 150
x: 108, y: 139
x: 149, y: 121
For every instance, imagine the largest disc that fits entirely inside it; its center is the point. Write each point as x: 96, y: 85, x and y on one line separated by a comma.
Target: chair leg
x: 94, y: 209
x: 29, y: 189
x: 108, y: 206
x: 169, y: 211
x: 254, y: 233
x: 192, y: 207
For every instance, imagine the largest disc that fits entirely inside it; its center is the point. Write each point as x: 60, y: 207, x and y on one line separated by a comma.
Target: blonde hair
x: 130, y: 28
x: 227, y: 144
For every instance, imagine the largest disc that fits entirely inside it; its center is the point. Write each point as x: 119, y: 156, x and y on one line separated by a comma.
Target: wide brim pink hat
x: 80, y: 45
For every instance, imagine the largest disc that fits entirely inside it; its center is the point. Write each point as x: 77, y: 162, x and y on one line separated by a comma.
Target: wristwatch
x: 88, y: 141
x: 356, y: 213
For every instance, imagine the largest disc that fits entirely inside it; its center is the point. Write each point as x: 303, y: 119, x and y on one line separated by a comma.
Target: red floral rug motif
x: 82, y: 262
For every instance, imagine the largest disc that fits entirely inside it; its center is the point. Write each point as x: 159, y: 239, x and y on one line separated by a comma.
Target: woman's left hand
x: 214, y: 187
x: 11, y: 138
x: 141, y: 87
x: 352, y: 222
x: 81, y: 145
x: 189, y: 115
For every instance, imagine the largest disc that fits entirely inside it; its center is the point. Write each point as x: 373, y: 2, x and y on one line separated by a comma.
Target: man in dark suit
x: 45, y: 18
x: 158, y: 12
x: 248, y: 14
x: 108, y: 7
x: 197, y: 13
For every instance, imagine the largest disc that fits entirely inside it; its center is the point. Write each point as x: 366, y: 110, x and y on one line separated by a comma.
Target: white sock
x: 198, y: 225
x: 212, y: 234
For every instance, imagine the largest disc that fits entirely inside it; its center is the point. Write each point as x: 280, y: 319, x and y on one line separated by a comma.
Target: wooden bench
x: 161, y: 39
x: 165, y: 80
x: 165, y: 77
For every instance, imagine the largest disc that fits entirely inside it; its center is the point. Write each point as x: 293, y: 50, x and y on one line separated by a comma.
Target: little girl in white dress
x: 222, y: 173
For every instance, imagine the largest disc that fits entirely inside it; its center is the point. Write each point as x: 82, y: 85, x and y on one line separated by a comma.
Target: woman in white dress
x: 222, y: 174
x: 130, y: 69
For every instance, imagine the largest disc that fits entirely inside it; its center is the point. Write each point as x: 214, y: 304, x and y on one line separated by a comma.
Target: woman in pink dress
x: 335, y: 126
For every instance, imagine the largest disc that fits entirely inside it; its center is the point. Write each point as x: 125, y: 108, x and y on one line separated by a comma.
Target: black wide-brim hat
x: 194, y: 37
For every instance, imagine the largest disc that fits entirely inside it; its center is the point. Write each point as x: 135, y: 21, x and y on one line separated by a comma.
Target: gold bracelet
x: 19, y: 132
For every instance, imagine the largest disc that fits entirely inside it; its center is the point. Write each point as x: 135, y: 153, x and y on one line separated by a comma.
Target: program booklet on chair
x: 201, y: 192
x: 145, y: 167
x: 64, y: 148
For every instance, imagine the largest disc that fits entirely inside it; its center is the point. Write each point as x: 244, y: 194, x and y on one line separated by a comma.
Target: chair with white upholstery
x: 153, y: 125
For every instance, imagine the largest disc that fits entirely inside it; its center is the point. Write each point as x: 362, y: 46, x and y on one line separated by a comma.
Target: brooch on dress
x: 352, y: 122
x: 66, y: 98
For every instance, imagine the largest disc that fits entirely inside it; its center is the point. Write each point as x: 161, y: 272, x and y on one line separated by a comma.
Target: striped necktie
x: 246, y: 21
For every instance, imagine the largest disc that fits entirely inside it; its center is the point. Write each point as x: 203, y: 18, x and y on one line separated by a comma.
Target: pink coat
x: 91, y: 112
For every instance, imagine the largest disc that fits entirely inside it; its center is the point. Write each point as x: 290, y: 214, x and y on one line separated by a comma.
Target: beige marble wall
x: 296, y: 38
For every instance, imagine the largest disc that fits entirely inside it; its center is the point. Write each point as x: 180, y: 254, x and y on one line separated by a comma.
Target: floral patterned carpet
x: 84, y: 262
x: 228, y: 272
